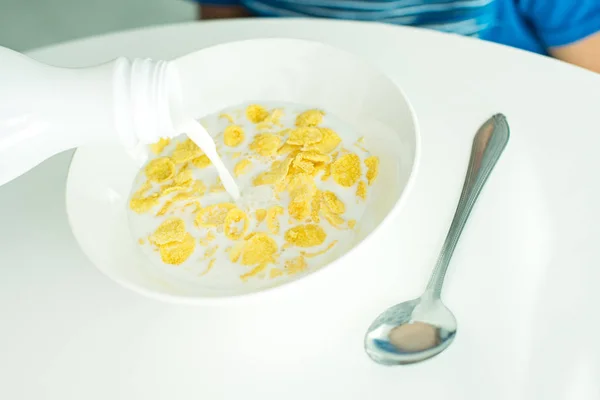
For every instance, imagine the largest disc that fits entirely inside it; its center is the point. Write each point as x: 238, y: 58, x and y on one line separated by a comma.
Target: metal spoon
x: 419, y: 329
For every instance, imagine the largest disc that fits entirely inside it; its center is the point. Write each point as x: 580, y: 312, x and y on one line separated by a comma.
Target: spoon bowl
x: 410, y: 332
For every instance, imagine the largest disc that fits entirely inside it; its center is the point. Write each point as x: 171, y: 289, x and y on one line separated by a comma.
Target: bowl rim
x: 269, y: 291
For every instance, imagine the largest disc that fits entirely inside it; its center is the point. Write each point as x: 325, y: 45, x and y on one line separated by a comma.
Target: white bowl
x: 278, y: 70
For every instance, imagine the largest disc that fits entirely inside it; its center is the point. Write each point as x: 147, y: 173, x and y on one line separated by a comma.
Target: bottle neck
x: 147, y: 98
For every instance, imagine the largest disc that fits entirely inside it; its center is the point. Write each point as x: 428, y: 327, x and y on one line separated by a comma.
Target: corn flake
x: 211, y: 251
x: 159, y: 146
x: 305, y: 135
x: 233, y: 136
x: 236, y: 251
x: 300, y: 165
x: 171, y: 230
x: 201, y: 162
x: 196, y: 204
x: 265, y: 144
x: 301, y: 187
x: 335, y: 220
x: 361, y: 190
x: 319, y: 167
x: 198, y: 188
x: 295, y: 265
x: 261, y: 214
x: 326, y: 172
x: 172, y: 188
x: 256, y: 113
x: 232, y: 221
x: 315, y: 206
x: 273, y: 219
x: 275, y: 272
x: 274, y: 117
x: 308, y: 235
x: 287, y: 148
x: 184, y: 177
x: 255, y: 271
x: 333, y: 203
x: 241, y: 167
x: 146, y: 186
x: 228, y: 117
x: 210, y: 236
x: 372, y: 164
x: 284, y: 132
x: 181, y: 197
x: 176, y: 253
x: 327, y: 144
x: 214, y: 215
x: 299, y: 210
x: 310, y: 118
x: 276, y: 174
x: 211, y: 264
x: 217, y: 187
x: 260, y: 248
x: 315, y: 157
x: 165, y: 208
x: 160, y: 169
x: 141, y: 205
x: 185, y: 151
x: 346, y: 170
x: 318, y: 253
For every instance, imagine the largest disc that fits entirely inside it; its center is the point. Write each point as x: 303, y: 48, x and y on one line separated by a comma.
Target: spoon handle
x: 488, y: 144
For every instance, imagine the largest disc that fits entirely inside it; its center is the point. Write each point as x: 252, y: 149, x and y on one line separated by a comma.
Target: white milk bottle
x: 45, y: 110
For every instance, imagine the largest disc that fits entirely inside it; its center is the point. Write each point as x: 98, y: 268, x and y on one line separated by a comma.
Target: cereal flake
x: 185, y: 151
x: 171, y: 230
x: 372, y: 164
x: 273, y: 218
x: 242, y: 167
x: 233, y: 136
x: 346, y: 170
x: 308, y: 235
x: 310, y: 118
x: 214, y: 215
x: 361, y: 190
x: 175, y: 253
x: 259, y: 249
x: 256, y: 113
x: 201, y: 162
x: 333, y: 203
x: 305, y: 135
x: 160, y: 170
x: 265, y: 144
x: 159, y: 146
x: 233, y: 230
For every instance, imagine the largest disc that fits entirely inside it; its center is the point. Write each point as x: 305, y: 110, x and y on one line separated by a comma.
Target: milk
x: 224, y: 274
x: 199, y: 135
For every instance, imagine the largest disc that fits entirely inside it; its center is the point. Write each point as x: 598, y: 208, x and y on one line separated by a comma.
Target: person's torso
x: 495, y: 20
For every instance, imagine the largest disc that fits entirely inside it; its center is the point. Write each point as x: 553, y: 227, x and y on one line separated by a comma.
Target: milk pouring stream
x: 45, y: 110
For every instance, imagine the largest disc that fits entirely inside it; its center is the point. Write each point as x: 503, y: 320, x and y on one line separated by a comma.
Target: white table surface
x: 523, y: 283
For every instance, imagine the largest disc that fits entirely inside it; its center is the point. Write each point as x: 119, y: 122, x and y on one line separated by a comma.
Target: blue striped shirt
x: 533, y: 25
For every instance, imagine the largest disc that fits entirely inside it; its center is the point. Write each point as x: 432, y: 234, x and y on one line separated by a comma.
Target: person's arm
x: 570, y: 29
x: 217, y: 9
x: 585, y: 53
x: 209, y: 11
